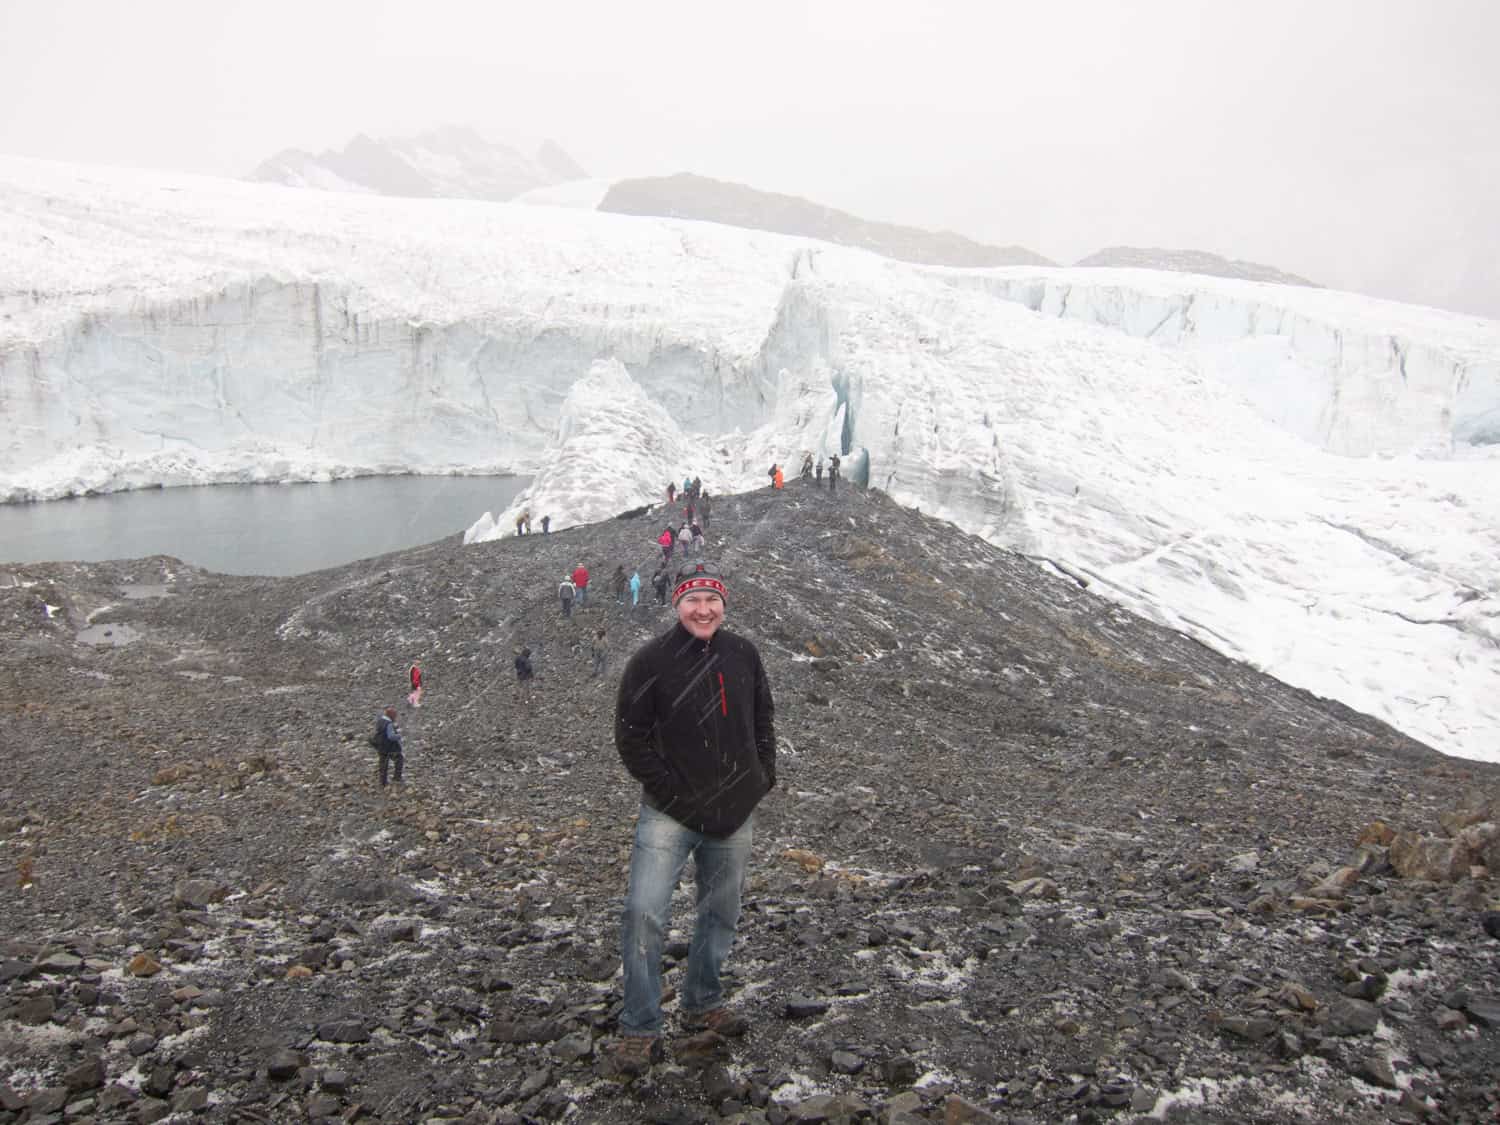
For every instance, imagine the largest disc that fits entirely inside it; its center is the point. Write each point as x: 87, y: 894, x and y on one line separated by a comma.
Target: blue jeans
x: 662, y: 848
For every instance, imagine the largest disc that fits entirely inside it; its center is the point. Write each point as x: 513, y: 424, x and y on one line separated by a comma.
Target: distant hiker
x: 807, y: 467
x: 415, y: 698
x: 833, y: 473
x: 696, y: 685
x: 635, y: 589
x: 686, y: 484
x: 566, y: 591
x: 581, y: 581
x: 388, y: 744
x: 665, y: 541
x: 771, y: 472
x: 698, y: 540
x: 520, y: 524
x: 697, y: 487
x: 659, y: 582
x: 546, y: 525
x: 819, y: 471
x: 687, y: 512
x: 526, y: 519
x: 777, y: 481
x: 671, y: 491
x: 703, y: 507
x: 618, y: 582
x: 600, y: 651
x: 524, y: 671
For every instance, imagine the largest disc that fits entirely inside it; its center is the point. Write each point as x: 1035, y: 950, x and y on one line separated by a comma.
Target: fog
x: 1355, y: 143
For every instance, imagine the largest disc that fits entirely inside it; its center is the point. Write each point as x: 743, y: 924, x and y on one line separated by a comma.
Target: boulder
x: 1433, y: 858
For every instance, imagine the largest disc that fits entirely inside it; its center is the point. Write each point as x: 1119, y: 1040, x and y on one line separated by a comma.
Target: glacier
x: 1304, y: 479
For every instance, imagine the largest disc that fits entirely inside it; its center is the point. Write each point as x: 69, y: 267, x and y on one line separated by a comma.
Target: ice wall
x: 1352, y: 375
x: 268, y: 380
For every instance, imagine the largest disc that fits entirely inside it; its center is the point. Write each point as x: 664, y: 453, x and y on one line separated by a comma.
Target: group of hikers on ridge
x: 681, y: 539
x: 811, y: 474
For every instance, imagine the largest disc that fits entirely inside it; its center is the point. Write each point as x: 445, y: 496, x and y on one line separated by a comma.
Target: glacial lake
x: 254, y: 528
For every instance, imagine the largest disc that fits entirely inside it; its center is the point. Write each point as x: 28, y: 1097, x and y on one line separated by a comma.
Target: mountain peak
x: 689, y: 196
x: 449, y: 162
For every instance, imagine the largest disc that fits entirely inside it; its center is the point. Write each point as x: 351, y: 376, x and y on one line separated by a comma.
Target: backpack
x: 377, y: 739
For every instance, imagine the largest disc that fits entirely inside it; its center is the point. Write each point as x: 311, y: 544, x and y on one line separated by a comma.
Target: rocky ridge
x: 1031, y: 858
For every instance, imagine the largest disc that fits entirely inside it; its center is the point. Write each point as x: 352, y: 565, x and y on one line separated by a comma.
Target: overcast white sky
x: 1356, y: 142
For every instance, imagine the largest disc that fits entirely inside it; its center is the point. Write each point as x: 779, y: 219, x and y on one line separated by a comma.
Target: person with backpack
x: 698, y: 540
x: 671, y: 491
x: 659, y: 582
x: 618, y: 582
x: 665, y: 541
x: 565, y: 592
x: 524, y: 672
x: 703, y: 509
x: 415, y: 698
x: 778, y: 481
x: 807, y: 467
x: 387, y: 743
x: 546, y: 525
x: 581, y: 584
x: 833, y: 473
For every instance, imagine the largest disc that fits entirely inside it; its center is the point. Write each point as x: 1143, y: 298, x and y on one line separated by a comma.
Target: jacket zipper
x: 723, y: 699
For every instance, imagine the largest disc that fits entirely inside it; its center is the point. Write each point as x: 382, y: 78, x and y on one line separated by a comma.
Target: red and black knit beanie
x: 699, y: 576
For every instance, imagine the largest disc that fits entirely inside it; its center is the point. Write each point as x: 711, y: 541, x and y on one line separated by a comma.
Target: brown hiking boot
x: 632, y: 1055
x: 699, y: 1049
x: 731, y: 1025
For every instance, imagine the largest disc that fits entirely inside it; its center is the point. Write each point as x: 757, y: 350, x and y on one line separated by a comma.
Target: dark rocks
x: 804, y: 1007
x: 1346, y: 1017
x: 1205, y: 892
x: 845, y: 1062
x: 87, y: 1075
x: 1376, y: 1069
x: 1483, y: 1010
x: 198, y: 893
x: 526, y: 1031
x: 284, y: 1065
x: 35, y: 1010
x: 344, y: 1031
x: 1255, y: 1030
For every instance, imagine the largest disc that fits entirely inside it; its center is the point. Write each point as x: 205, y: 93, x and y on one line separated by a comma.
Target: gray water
x: 254, y: 528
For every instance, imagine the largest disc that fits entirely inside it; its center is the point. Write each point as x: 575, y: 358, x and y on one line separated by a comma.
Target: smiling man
x: 693, y: 724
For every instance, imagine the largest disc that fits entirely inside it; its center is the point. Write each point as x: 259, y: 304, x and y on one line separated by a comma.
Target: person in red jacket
x: 665, y: 541
x: 581, y: 584
x: 415, y: 698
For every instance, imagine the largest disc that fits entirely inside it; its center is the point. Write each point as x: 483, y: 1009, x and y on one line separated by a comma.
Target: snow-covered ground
x: 1304, y: 479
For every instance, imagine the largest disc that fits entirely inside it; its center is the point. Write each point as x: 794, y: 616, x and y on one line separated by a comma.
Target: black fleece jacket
x: 694, y: 725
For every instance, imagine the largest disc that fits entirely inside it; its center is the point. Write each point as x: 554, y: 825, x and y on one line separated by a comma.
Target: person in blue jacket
x: 388, y: 743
